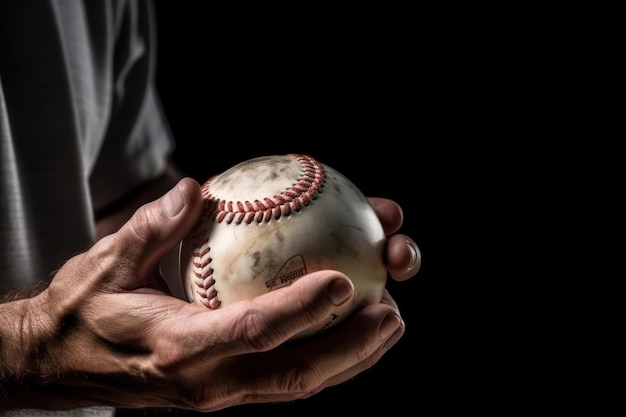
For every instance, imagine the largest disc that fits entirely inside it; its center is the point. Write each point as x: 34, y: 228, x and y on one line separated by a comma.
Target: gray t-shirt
x: 80, y: 126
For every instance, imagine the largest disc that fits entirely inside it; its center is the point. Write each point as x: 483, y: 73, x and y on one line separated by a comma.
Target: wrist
x: 22, y: 352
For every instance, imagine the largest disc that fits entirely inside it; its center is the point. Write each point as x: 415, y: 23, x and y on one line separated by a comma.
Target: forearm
x: 19, y: 359
x: 36, y: 369
x: 29, y: 344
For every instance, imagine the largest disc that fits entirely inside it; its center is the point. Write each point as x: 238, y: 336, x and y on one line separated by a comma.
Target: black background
x: 373, y: 96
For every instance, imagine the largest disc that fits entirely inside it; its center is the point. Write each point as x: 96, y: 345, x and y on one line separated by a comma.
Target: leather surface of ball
x: 269, y: 221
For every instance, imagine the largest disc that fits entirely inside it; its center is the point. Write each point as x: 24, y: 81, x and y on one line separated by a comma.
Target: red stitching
x: 306, y: 188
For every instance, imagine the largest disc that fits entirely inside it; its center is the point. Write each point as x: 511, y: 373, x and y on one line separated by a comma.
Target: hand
x: 103, y: 334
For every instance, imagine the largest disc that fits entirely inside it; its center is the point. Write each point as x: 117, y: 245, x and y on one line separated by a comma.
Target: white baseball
x: 269, y: 221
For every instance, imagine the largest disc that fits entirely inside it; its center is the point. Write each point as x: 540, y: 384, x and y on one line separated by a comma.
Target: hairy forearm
x: 23, y: 293
x: 18, y: 356
x: 32, y: 374
x: 28, y: 343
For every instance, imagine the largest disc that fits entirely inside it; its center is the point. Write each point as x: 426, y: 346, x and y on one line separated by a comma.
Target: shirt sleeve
x: 138, y: 139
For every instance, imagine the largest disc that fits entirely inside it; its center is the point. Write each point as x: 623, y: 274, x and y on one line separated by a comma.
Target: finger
x: 379, y: 325
x: 266, y: 321
x: 402, y: 257
x: 157, y: 226
x: 389, y: 213
x: 305, y: 367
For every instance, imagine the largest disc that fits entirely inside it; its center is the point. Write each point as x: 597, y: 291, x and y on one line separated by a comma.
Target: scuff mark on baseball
x: 270, y: 220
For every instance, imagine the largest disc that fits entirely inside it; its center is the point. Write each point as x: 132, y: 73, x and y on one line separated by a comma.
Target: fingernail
x: 173, y: 202
x: 339, y: 291
x: 415, y: 255
x: 390, y: 324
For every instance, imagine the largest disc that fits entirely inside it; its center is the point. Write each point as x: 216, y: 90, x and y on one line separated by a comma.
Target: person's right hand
x: 102, y: 334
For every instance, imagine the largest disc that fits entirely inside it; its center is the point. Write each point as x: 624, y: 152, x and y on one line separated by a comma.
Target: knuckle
x: 141, y: 223
x: 302, y: 380
x: 259, y: 336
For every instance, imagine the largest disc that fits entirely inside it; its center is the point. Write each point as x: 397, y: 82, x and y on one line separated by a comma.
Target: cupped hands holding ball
x: 107, y: 331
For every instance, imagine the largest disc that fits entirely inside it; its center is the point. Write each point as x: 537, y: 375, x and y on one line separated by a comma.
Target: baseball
x: 270, y: 220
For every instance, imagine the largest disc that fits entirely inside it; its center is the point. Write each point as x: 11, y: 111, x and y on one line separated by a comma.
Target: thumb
x: 158, y: 226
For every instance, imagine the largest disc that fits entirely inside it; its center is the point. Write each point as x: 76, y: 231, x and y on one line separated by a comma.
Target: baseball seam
x: 306, y: 188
